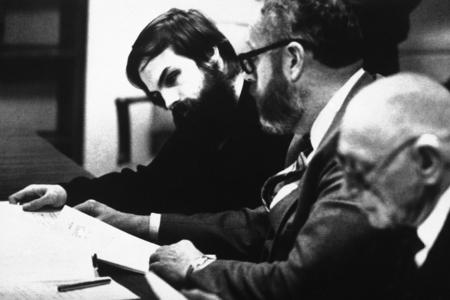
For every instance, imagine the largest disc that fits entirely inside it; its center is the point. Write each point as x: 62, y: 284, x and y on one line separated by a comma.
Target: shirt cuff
x: 153, y: 226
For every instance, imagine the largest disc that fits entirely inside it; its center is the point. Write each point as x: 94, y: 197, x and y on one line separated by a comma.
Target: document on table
x: 30, y: 251
x: 109, y: 243
x: 85, y: 233
x: 39, y: 250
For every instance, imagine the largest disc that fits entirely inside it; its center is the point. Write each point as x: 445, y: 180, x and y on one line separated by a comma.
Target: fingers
x: 156, y: 256
x: 26, y: 194
x: 38, y: 203
x: 39, y: 195
x: 88, y: 207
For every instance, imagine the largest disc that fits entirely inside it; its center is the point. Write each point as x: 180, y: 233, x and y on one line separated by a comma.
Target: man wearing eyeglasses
x: 395, y: 151
x: 304, y: 66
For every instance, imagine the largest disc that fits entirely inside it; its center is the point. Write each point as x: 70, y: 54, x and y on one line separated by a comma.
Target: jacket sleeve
x: 144, y: 189
x: 232, y: 234
x: 327, y: 253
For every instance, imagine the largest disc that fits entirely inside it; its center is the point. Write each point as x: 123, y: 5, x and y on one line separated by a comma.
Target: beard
x: 279, y: 107
x: 212, y: 110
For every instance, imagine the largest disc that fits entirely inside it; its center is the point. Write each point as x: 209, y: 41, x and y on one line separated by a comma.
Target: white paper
x: 86, y: 233
x: 30, y: 250
x: 109, y: 243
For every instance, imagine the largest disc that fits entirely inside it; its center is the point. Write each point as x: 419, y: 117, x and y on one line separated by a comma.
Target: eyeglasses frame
x: 367, y: 181
x: 247, y: 56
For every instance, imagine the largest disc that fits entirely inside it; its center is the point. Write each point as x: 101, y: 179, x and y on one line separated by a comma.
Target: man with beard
x: 394, y: 148
x: 314, y: 243
x: 218, y: 156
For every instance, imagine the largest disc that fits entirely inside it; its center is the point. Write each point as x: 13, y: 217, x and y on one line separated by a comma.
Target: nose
x: 170, y: 96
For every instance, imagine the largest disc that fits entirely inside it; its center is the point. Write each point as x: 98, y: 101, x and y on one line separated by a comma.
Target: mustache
x: 185, y: 107
x: 214, y: 107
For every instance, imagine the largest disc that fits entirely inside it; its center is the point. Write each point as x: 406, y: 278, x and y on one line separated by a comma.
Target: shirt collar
x: 429, y: 230
x: 327, y: 114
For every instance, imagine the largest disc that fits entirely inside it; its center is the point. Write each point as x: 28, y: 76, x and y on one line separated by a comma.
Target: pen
x: 83, y: 284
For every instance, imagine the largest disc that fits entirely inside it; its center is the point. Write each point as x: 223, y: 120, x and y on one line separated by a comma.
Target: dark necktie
x: 306, y: 146
x: 409, y: 245
x: 273, y: 185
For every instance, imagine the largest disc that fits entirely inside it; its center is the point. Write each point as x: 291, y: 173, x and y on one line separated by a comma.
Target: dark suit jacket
x: 318, y: 246
x: 200, y: 169
x: 432, y: 279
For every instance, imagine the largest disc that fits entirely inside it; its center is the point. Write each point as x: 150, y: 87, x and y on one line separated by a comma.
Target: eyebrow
x: 163, y: 76
x: 165, y: 73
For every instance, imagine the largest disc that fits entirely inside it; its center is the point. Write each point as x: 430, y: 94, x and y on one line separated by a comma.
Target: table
x: 26, y: 158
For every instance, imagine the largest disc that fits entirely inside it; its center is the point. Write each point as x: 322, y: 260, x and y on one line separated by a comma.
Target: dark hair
x: 188, y: 33
x: 330, y: 27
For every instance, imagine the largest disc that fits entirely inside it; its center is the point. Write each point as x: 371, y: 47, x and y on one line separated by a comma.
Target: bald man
x: 395, y: 150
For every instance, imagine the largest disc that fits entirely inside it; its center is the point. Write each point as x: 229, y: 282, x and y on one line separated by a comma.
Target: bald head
x: 398, y: 107
x: 394, y: 148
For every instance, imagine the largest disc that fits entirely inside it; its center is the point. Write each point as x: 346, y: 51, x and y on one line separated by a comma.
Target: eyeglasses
x: 361, y: 180
x: 247, y: 59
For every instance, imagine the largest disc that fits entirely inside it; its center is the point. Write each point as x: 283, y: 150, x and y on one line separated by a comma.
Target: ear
x: 294, y: 60
x: 428, y: 157
x: 216, y: 60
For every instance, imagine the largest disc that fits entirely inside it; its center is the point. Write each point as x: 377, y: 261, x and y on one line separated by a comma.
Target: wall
x: 112, y: 28
x: 427, y: 49
x: 28, y: 102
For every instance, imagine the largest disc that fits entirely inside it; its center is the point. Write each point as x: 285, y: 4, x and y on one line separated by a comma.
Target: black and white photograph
x: 212, y: 149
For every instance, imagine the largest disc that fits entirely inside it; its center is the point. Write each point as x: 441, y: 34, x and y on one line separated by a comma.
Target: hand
x: 102, y: 212
x: 40, y: 195
x: 172, y: 262
x: 133, y: 224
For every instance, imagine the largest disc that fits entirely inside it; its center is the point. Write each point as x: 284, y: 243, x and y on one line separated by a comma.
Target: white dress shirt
x: 318, y: 131
x: 429, y: 230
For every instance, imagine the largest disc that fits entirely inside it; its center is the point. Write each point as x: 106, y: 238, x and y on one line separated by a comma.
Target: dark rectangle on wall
x: 26, y: 27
